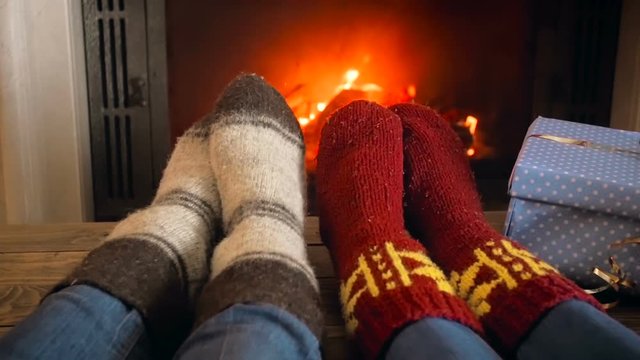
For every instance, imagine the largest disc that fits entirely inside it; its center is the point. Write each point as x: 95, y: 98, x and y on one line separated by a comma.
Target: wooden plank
x: 320, y: 261
x: 18, y: 301
x: 37, y: 268
x: 52, y: 237
x: 25, y: 277
x: 496, y: 219
x: 628, y: 314
x: 86, y: 236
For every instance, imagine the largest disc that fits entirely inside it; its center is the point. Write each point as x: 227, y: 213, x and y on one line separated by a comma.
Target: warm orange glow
x: 349, y: 78
x: 471, y: 152
x: 313, y: 109
x: 411, y: 91
x: 352, y: 75
x: 306, y: 110
x: 471, y: 122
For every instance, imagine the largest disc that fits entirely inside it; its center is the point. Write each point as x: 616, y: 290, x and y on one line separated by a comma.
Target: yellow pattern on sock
x: 509, y: 269
x: 374, y: 264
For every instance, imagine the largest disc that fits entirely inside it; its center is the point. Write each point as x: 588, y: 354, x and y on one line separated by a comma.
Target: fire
x: 308, y: 112
x: 411, y: 91
x: 471, y: 123
x: 313, y: 115
x: 313, y: 111
x: 350, y: 77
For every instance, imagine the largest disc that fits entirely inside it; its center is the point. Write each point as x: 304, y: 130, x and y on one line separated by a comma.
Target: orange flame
x: 411, y: 91
x: 471, y: 122
x: 307, y: 114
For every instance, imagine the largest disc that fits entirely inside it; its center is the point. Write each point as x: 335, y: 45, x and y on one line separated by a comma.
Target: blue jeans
x: 82, y: 322
x: 79, y: 322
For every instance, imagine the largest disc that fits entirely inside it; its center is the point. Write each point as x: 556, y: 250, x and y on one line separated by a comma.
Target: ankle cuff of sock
x: 263, y: 281
x: 378, y: 319
x: 143, y: 277
x: 515, y: 313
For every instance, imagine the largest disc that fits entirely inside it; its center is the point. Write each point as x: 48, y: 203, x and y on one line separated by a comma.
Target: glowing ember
x: 313, y: 114
x: 471, y: 122
x: 350, y: 77
x: 411, y: 90
x: 307, y: 110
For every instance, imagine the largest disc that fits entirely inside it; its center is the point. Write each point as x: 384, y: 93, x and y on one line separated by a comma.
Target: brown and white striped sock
x: 257, y: 154
x: 157, y: 259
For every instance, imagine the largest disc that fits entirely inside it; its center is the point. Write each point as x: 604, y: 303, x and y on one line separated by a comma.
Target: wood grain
x: 34, y: 258
x: 18, y: 301
x: 53, y: 237
x: 86, y: 236
x: 37, y: 268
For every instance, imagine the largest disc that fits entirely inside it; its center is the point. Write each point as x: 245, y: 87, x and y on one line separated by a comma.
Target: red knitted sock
x: 507, y: 287
x: 387, y: 280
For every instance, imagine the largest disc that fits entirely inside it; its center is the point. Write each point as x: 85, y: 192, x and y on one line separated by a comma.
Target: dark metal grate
x: 115, y: 95
x: 124, y: 168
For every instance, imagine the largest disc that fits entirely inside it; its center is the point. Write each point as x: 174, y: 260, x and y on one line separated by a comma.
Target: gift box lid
x: 577, y: 165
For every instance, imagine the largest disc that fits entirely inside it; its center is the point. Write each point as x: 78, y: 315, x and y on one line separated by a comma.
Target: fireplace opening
x: 488, y: 67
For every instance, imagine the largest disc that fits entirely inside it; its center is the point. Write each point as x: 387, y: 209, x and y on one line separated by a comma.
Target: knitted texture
x: 506, y: 286
x: 387, y: 279
x: 157, y: 259
x: 257, y: 156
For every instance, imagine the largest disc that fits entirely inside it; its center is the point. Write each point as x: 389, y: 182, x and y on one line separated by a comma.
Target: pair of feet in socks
x: 378, y: 167
x: 238, y: 176
x: 225, y: 226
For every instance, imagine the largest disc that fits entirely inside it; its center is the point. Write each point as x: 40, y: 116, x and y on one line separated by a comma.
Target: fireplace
x: 488, y: 67
x: 454, y: 56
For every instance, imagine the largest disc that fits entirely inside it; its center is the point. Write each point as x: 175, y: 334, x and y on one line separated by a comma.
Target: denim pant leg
x: 577, y: 330
x: 79, y: 322
x: 251, y: 331
x: 436, y: 338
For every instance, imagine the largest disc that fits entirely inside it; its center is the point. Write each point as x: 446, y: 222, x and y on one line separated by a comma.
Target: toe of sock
x: 358, y: 123
x: 410, y: 113
x: 250, y: 93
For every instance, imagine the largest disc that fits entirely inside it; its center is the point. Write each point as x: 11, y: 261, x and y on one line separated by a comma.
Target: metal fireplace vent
x: 128, y: 148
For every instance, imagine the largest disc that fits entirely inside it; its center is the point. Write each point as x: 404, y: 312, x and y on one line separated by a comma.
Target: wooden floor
x: 34, y: 258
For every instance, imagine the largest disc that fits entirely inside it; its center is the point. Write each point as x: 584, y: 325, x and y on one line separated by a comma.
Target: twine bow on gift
x: 586, y: 144
x: 616, y: 278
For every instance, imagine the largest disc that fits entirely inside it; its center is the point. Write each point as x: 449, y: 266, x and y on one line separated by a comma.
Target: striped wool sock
x: 387, y: 280
x: 157, y: 259
x: 257, y: 154
x: 508, y: 288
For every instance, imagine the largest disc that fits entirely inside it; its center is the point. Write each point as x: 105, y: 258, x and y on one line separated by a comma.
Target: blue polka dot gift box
x: 575, y: 199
